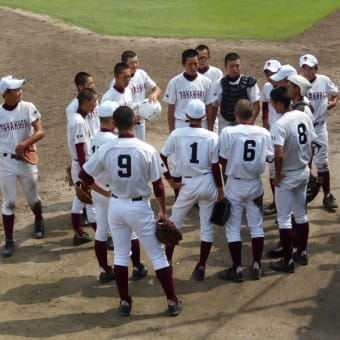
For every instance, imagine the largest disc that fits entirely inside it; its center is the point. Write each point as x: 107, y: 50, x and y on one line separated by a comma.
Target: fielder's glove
x: 167, y: 233
x: 313, y: 188
x: 30, y: 156
x: 221, y: 212
x: 83, y: 192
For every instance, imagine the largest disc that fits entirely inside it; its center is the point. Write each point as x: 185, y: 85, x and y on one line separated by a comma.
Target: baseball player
x: 79, y: 144
x: 323, y: 96
x: 244, y: 149
x: 229, y: 90
x: 292, y: 136
x: 130, y: 164
x: 101, y: 203
x: 195, y: 150
x: 140, y: 83
x: 20, y: 127
x: 269, y: 116
x: 186, y: 86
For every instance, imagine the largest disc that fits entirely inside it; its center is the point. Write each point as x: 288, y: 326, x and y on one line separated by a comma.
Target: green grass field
x: 251, y: 19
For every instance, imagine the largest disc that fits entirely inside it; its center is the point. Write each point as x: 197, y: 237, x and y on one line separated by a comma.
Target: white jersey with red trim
x: 322, y: 87
x: 273, y: 116
x: 15, y: 125
x: 139, y: 84
x: 130, y: 165
x: 295, y: 132
x: 78, y: 132
x: 123, y: 99
x: 92, y: 118
x: 193, y: 150
x: 181, y: 90
x: 246, y: 148
x: 213, y: 73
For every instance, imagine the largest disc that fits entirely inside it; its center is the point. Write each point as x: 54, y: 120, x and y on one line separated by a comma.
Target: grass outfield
x: 250, y: 19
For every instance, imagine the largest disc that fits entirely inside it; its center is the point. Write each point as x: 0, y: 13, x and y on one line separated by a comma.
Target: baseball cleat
x: 199, y: 273
x: 174, y: 308
x: 39, y: 229
x: 107, y: 276
x: 109, y: 243
x: 124, y: 308
x: 256, y: 273
x: 139, y: 273
x: 8, y: 249
x: 329, y: 202
x: 231, y: 275
x: 270, y: 210
x: 280, y: 266
x: 275, y: 252
x: 80, y: 239
x: 301, y: 259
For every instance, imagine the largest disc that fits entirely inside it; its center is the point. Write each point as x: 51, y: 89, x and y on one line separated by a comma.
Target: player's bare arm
x: 278, y: 164
x: 159, y: 191
x: 256, y: 110
x: 216, y: 170
x: 38, y: 134
x: 155, y: 93
x: 211, y: 110
x: 332, y: 102
x: 167, y: 175
x: 171, y: 117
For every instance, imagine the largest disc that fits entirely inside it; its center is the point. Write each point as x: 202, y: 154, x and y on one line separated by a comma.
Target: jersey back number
x: 302, y: 133
x: 249, y: 150
x: 124, y: 165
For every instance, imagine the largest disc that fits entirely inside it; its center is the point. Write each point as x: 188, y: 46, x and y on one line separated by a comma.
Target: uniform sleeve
x: 332, y: 89
x: 278, y: 134
x: 254, y: 93
x: 210, y: 93
x: 270, y: 149
x: 79, y: 133
x: 217, y: 88
x: 169, y: 146
x: 157, y: 167
x: 106, y: 96
x: 34, y: 114
x: 215, y: 151
x: 170, y: 93
x: 149, y: 83
x: 223, y: 143
x: 94, y: 165
x: 264, y: 94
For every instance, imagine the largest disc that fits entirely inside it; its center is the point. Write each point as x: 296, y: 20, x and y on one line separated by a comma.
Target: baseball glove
x: 167, y: 233
x: 221, y: 212
x: 313, y: 188
x: 30, y: 156
x: 83, y: 192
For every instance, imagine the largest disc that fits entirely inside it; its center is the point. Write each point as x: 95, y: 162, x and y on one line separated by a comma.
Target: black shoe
x: 270, y: 210
x: 8, y: 249
x: 300, y: 259
x: 174, y: 308
x: 124, y: 308
x: 107, y: 276
x: 39, y: 229
x: 275, y: 252
x: 329, y: 202
x: 139, y: 273
x: 280, y: 266
x: 109, y: 243
x: 231, y: 275
x: 199, y: 273
x: 256, y: 273
x: 80, y: 239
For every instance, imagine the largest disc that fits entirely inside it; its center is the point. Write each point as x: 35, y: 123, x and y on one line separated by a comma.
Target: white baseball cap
x: 195, y: 109
x: 10, y: 83
x: 301, y: 82
x: 309, y: 60
x: 272, y: 65
x: 284, y: 72
x: 107, y: 108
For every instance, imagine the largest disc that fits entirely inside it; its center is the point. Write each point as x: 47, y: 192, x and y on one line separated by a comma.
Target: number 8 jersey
x: 295, y: 132
x: 246, y: 148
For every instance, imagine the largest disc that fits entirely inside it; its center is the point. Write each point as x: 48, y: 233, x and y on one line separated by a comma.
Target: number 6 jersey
x: 246, y: 148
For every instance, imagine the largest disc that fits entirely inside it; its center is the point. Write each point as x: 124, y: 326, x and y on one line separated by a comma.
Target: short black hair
x: 189, y: 53
x: 81, y: 78
x: 231, y: 57
x: 126, y: 55
x: 244, y: 109
x: 202, y: 47
x: 123, y: 117
x: 119, y: 68
x: 280, y: 95
x: 86, y: 94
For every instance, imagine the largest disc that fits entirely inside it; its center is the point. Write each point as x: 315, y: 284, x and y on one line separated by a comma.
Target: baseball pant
x: 320, y: 159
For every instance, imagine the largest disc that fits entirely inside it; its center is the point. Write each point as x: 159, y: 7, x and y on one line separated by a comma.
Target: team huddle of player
x: 215, y: 151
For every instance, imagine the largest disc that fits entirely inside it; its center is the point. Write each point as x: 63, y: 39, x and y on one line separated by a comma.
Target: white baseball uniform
x: 273, y: 116
x: 180, y: 91
x: 130, y: 165
x: 295, y: 132
x: 194, y: 150
x: 139, y: 84
x: 92, y: 118
x: 15, y: 126
x: 322, y: 87
x: 246, y: 149
x: 78, y: 132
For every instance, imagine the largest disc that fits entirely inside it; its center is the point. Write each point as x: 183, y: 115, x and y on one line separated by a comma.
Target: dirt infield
x: 49, y: 288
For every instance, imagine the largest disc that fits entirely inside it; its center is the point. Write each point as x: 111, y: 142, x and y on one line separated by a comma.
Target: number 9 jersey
x: 246, y: 148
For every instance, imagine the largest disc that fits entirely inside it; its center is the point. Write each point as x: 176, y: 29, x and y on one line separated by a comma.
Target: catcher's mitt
x: 83, y: 193
x: 30, y: 156
x: 220, y: 212
x: 313, y: 188
x: 167, y: 233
